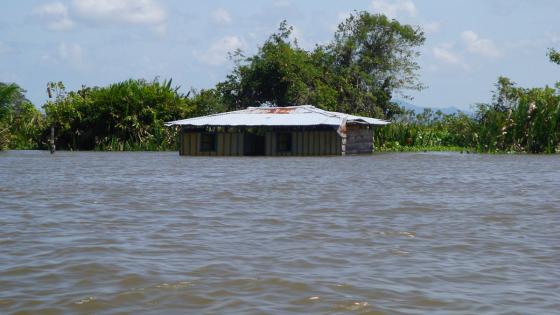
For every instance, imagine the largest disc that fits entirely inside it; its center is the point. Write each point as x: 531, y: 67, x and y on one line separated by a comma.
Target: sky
x: 469, y: 43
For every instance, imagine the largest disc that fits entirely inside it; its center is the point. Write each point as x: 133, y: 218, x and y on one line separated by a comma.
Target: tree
x: 20, y: 122
x: 375, y: 57
x: 554, y: 55
x: 280, y: 73
x: 206, y: 102
x: 506, y: 94
x: 369, y: 59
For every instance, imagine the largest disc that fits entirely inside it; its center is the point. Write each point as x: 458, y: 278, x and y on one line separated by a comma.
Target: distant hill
x: 419, y: 109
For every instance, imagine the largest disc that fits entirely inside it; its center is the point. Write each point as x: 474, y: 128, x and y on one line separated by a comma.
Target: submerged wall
x: 277, y: 142
x: 359, y: 140
x: 227, y: 144
x: 306, y: 143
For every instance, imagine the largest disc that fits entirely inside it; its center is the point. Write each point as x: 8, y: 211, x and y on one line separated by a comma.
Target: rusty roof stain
x: 274, y: 110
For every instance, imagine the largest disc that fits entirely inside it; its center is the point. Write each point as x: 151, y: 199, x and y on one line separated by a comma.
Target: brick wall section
x: 359, y: 140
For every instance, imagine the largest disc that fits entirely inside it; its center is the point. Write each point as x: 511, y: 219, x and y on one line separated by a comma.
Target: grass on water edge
x: 450, y: 149
x: 425, y: 149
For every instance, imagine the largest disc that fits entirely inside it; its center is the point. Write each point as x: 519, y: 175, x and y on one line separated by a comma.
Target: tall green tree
x: 369, y: 59
x: 375, y: 57
x: 280, y: 73
x: 206, y: 102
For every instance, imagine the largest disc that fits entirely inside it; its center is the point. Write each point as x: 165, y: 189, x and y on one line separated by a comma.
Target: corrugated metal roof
x: 305, y: 115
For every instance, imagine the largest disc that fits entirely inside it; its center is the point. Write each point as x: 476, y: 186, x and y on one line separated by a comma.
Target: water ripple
x: 153, y: 233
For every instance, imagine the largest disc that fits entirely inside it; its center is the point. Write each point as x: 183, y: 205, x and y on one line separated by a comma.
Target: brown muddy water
x: 156, y: 233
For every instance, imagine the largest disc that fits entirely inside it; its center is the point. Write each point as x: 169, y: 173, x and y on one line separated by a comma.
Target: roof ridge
x: 326, y: 112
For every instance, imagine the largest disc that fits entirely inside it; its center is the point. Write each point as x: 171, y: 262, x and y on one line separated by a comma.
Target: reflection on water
x: 155, y: 233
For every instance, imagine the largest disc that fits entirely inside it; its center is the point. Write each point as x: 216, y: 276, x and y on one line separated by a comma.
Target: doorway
x: 254, y: 144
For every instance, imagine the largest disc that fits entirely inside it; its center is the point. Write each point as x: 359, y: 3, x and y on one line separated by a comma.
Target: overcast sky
x: 96, y: 42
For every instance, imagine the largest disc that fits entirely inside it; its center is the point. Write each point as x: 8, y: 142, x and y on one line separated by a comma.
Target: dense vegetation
x: 369, y: 60
x: 21, y: 124
x: 124, y: 116
x: 517, y: 120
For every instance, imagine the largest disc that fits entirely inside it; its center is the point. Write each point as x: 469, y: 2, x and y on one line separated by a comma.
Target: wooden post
x: 51, y: 141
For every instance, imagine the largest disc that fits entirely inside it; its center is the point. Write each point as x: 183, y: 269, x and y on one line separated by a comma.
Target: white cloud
x: 221, y: 16
x: 55, y: 15
x: 480, y: 46
x: 59, y: 16
x: 431, y: 27
x: 393, y: 9
x: 217, y: 53
x: 72, y: 53
x: 69, y: 51
x: 472, y: 44
x: 445, y: 54
x: 121, y: 11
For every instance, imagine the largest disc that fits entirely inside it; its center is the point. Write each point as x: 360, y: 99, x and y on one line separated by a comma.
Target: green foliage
x: 426, y: 131
x: 369, y: 58
x: 27, y: 124
x: 554, y: 55
x: 206, y: 102
x: 281, y: 73
x: 20, y: 121
x: 530, y: 124
x: 127, y: 115
x: 374, y: 57
x: 518, y: 120
x: 7, y: 95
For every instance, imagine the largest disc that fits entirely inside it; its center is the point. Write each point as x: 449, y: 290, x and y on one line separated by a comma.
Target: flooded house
x: 277, y: 131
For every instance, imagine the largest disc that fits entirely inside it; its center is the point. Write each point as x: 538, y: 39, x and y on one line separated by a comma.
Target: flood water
x: 156, y: 233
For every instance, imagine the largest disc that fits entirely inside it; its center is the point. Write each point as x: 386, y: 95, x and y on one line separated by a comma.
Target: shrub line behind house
x: 369, y: 59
